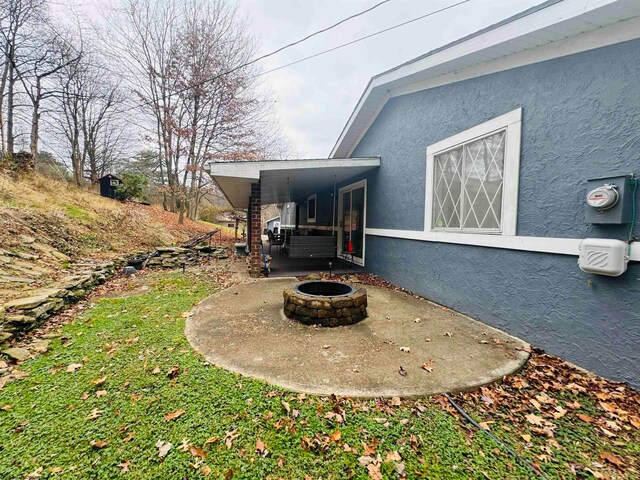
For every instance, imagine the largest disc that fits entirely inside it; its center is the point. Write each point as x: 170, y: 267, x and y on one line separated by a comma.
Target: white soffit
x: 550, y: 30
x: 284, y: 180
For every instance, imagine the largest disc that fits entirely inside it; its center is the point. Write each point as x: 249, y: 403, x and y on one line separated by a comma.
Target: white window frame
x: 309, y: 218
x: 340, y: 253
x: 512, y: 123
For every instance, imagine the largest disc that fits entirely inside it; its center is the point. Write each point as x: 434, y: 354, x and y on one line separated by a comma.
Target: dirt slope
x: 49, y: 230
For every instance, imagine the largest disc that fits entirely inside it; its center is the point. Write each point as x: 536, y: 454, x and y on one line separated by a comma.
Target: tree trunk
x: 10, y: 99
x: 3, y: 85
x: 35, y: 122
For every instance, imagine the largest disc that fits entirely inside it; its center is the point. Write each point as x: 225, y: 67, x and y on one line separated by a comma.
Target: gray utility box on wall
x: 620, y: 212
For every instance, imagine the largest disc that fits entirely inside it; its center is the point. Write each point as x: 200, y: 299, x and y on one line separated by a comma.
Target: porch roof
x: 284, y: 180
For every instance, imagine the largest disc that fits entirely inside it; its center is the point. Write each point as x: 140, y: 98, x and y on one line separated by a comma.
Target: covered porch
x: 323, y: 215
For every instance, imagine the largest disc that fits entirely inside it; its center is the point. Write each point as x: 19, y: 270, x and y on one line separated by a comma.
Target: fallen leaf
x: 335, y: 436
x: 486, y: 425
x: 72, y: 367
x: 95, y: 413
x: 374, y: 471
x: 174, y: 372
x: 99, y: 381
x: 608, y: 407
x: 405, y: 349
x: 393, y: 457
x: 129, y: 437
x: 6, y: 407
x: 416, y: 320
x: 186, y: 314
x: 427, y: 366
x: 635, y: 421
x: 325, y: 347
x: 534, y: 419
x: 55, y: 469
x: 526, y: 437
x: 230, y: 436
x: 173, y: 415
x: 402, y: 371
x: 260, y: 446
x: 613, y: 459
x: 206, y: 470
x: 197, y: 452
x: 156, y: 371
x: 101, y: 393
x: 99, y: 443
x: 448, y: 334
x: 135, y: 397
x: 125, y: 466
x: 395, y: 401
x: 35, y: 474
x: 163, y: 448
x: 286, y: 406
x: 586, y: 418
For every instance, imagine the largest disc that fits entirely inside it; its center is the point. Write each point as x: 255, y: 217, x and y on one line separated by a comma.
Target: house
x: 463, y: 176
x: 108, y: 185
x: 273, y: 224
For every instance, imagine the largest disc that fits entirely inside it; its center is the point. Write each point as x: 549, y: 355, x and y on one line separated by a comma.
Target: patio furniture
x: 277, y: 240
x: 311, y: 247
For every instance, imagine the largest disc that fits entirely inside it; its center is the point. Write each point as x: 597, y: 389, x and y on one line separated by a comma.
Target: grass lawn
x: 122, y: 384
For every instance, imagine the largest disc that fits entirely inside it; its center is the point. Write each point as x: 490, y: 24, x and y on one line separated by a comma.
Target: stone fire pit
x: 329, y: 304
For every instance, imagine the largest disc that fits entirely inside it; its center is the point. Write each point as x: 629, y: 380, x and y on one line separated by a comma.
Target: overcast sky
x: 316, y: 97
x: 313, y: 99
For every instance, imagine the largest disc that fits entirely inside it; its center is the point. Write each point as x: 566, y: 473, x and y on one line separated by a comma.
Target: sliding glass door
x: 351, y: 216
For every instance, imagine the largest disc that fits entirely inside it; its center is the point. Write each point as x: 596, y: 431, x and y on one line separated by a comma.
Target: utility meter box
x: 603, y: 256
x: 609, y: 200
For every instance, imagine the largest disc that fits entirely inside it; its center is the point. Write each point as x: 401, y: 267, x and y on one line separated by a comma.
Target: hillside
x: 50, y: 229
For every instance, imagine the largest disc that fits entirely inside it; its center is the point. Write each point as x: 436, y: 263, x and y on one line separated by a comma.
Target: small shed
x: 273, y: 224
x: 108, y: 185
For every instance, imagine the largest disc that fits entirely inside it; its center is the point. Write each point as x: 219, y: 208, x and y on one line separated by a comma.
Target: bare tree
x: 17, y: 18
x: 48, y: 56
x: 186, y: 63
x: 90, y: 106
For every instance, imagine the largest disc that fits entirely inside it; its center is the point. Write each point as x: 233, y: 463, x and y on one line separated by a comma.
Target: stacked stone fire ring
x: 328, y: 304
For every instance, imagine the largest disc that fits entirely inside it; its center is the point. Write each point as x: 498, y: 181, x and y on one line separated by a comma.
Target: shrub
x: 133, y: 186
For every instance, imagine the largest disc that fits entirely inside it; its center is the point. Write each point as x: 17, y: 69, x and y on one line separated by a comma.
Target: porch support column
x: 255, y: 224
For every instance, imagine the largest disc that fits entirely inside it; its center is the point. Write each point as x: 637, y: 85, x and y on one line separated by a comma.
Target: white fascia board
x: 561, y: 246
x: 252, y: 170
x: 442, y: 64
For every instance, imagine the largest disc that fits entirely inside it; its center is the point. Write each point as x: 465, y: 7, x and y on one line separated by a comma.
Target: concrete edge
x: 495, y: 376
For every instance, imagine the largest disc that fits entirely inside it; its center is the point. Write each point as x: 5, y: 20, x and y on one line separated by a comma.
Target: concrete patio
x: 406, y: 347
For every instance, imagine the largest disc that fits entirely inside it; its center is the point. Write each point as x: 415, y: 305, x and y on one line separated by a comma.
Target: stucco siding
x: 581, y: 119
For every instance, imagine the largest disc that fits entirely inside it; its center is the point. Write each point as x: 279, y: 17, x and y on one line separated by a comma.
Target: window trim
x: 512, y: 123
x: 312, y: 219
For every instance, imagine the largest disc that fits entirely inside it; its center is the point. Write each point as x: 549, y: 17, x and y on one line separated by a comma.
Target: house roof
x: 110, y: 176
x: 552, y: 29
x: 284, y: 180
x: 274, y: 218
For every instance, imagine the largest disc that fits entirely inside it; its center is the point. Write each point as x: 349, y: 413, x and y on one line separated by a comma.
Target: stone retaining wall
x: 23, y: 314
x: 174, y: 257
x: 326, y: 311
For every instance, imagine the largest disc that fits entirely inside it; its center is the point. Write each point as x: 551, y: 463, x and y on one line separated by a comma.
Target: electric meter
x: 604, y: 197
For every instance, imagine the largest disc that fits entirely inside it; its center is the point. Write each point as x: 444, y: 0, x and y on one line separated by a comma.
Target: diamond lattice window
x: 468, y: 185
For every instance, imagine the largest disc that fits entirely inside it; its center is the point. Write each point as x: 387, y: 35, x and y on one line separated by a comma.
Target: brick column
x: 255, y: 225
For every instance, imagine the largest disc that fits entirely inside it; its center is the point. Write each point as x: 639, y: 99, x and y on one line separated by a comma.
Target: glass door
x: 351, y: 215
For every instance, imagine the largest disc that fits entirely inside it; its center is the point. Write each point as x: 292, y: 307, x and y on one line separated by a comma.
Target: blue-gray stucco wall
x: 581, y: 119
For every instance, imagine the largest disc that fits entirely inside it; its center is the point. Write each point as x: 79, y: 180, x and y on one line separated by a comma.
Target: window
x: 311, y: 209
x: 114, y: 183
x: 473, y: 179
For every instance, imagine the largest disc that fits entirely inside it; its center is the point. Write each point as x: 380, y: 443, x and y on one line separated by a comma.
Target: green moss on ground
x: 232, y: 426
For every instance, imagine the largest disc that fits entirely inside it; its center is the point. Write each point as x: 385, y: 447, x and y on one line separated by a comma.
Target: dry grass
x: 81, y: 224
